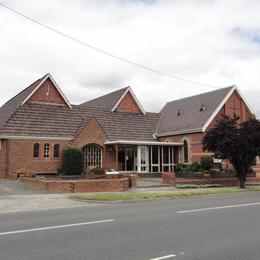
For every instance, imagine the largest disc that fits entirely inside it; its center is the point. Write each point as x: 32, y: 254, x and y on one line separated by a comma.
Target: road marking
x: 222, y: 207
x: 55, y: 227
x: 163, y: 257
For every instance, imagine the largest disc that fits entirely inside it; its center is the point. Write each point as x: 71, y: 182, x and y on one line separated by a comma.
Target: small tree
x: 72, y: 163
x: 206, y: 162
x: 238, y: 143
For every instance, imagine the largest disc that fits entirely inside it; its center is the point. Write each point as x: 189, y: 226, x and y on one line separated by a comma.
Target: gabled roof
x: 112, y: 100
x: 123, y: 125
x: 107, y: 101
x: 192, y: 114
x: 10, y: 106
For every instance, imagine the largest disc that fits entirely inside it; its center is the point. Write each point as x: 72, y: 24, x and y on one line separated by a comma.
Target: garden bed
x: 81, y: 183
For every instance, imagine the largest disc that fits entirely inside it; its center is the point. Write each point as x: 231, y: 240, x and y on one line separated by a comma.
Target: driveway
x: 8, y: 187
x: 16, y: 197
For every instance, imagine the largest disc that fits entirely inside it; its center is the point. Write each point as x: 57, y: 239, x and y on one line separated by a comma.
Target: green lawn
x: 132, y: 196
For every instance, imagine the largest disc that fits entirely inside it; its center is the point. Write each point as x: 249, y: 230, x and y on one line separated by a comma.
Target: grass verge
x: 135, y: 196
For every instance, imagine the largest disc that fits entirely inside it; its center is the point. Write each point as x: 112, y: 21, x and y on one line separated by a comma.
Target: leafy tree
x: 238, y: 143
x: 72, y: 163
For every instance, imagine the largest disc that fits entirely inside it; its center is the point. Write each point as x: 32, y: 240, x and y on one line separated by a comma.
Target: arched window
x: 36, y: 150
x: 185, y: 151
x: 46, y: 151
x: 56, y: 151
x: 92, y: 154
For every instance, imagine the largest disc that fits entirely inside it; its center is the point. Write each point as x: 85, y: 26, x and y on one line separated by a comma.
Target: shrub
x: 181, y: 167
x: 206, y: 162
x: 72, y: 163
x: 194, y: 167
x: 96, y: 171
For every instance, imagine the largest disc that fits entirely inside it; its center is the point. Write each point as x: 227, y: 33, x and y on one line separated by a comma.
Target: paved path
x: 151, y: 183
x: 215, y: 228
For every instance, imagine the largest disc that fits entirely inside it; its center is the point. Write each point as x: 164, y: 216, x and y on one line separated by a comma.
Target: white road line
x: 163, y: 257
x: 55, y: 227
x: 222, y: 207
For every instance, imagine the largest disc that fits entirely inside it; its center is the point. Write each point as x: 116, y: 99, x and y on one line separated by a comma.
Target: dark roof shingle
x: 7, y: 110
x: 190, y: 117
x: 122, y: 125
x: 42, y: 120
x: 107, y: 101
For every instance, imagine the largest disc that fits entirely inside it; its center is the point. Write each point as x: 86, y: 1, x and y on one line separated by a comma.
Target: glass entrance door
x: 143, y: 159
x: 126, y: 156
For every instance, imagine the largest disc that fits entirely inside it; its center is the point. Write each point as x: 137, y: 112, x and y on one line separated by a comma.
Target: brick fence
x: 59, y: 185
x: 170, y: 179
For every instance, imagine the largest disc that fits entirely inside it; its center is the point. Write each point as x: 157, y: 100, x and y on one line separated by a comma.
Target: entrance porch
x: 142, y: 157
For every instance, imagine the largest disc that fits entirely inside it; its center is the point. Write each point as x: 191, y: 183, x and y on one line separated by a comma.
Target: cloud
x: 215, y: 42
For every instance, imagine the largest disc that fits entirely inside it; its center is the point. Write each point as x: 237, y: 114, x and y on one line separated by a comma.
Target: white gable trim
x: 135, y: 99
x: 56, y: 86
x: 212, y: 117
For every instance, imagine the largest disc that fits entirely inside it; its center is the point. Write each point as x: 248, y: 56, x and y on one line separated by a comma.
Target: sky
x: 207, y: 41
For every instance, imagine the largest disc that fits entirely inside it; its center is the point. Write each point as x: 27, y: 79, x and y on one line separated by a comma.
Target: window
x: 36, y: 150
x: 46, y: 151
x: 185, y: 151
x: 92, y: 156
x: 56, y: 151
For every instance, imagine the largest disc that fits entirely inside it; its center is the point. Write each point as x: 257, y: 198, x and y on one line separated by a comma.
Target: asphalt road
x: 224, y: 227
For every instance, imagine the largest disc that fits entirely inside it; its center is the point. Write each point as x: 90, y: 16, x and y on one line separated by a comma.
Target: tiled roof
x: 49, y: 120
x: 45, y: 120
x: 185, y: 115
x: 122, y: 125
x: 35, y: 119
x: 107, y: 101
x: 10, y: 107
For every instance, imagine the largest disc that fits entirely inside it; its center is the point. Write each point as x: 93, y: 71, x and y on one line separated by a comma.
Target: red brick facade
x: 234, y: 104
x: 128, y: 104
x: 21, y: 156
x: 16, y: 154
x: 3, y: 159
x: 47, y: 93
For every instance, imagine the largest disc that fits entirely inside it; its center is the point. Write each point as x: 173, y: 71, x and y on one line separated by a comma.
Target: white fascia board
x: 35, y: 138
x: 143, y: 143
x: 55, y: 84
x: 223, y: 102
x: 248, y: 106
x: 135, y: 98
x: 235, y: 88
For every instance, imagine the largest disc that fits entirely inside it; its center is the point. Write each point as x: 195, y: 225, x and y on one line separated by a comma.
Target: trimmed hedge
x: 72, y: 163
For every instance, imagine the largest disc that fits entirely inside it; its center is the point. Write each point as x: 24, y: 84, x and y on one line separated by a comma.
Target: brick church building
x: 113, y: 131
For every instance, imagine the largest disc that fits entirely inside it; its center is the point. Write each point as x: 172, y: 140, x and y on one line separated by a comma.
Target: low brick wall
x: 133, y: 179
x: 221, y: 181
x: 57, y: 185
x: 170, y: 179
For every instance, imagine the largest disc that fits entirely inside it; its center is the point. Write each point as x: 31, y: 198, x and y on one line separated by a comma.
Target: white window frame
x: 46, y: 151
x: 92, y: 155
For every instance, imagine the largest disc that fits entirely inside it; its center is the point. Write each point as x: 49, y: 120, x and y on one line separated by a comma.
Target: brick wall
x: 170, y: 179
x: 3, y: 158
x: 104, y: 185
x: 47, y: 93
x: 195, y: 139
x: 94, y: 133
x: 128, y: 104
x: 21, y: 156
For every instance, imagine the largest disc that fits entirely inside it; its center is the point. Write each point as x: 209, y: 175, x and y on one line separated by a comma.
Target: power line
x: 106, y: 52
